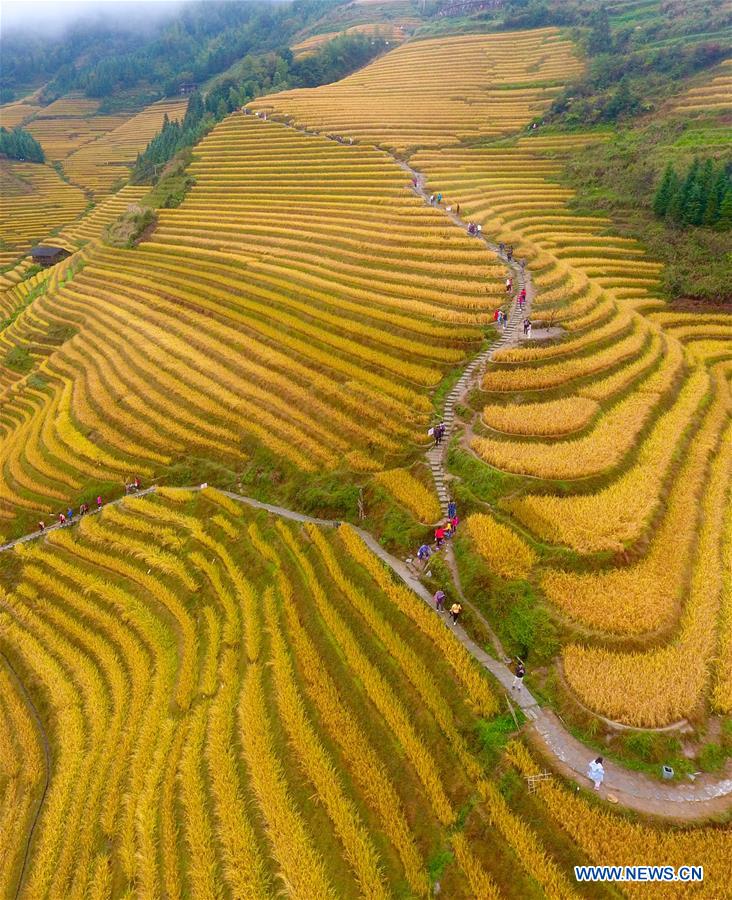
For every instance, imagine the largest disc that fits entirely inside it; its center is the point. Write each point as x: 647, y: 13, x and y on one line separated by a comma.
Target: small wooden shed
x: 46, y: 256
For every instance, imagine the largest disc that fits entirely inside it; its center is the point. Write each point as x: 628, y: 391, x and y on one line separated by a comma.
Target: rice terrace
x: 366, y: 449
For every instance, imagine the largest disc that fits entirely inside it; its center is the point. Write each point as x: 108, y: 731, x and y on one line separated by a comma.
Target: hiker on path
x: 414, y: 183
x: 509, y: 254
x: 83, y: 509
x: 61, y: 519
x: 455, y: 611
x: 439, y: 199
x: 41, y: 526
x: 509, y: 284
x: 457, y: 210
x: 518, y: 678
x: 424, y: 554
x: 99, y: 502
x: 501, y: 248
x: 452, y: 509
x: 448, y: 530
x: 70, y: 514
x: 528, y: 329
x: 432, y: 199
x: 526, y: 326
x: 454, y: 523
x: 439, y: 537
x: 496, y: 315
x: 439, y: 599
x: 596, y: 772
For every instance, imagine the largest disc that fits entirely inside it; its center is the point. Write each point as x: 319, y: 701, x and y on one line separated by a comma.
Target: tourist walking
x: 452, y: 509
x: 41, y: 526
x: 439, y: 199
x: 596, y: 772
x: 457, y: 210
x: 70, y: 514
x: 526, y: 326
x: 61, y: 519
x: 528, y: 329
x: 439, y: 537
x: 99, y: 502
x: 432, y: 199
x: 439, y: 599
x: 509, y: 284
x: 424, y: 553
x: 455, y: 611
x: 518, y: 678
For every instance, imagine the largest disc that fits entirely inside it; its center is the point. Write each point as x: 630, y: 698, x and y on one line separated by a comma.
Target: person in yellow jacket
x: 455, y: 611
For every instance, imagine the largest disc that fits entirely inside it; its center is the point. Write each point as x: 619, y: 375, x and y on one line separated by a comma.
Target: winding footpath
x: 703, y: 798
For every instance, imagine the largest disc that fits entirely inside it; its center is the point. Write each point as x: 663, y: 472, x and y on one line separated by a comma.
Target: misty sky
x: 49, y: 15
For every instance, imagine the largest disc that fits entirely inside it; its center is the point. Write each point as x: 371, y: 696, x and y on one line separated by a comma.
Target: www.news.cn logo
x: 639, y: 873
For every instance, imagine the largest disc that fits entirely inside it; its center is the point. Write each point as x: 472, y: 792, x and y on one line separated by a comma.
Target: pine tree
x: 669, y: 184
x: 724, y: 222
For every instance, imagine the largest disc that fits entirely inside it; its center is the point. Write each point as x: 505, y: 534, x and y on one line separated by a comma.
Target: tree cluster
x: 199, y: 41
x: 20, y: 144
x: 700, y: 198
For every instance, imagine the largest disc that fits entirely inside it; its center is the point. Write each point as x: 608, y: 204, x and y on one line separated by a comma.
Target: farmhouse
x: 46, y: 256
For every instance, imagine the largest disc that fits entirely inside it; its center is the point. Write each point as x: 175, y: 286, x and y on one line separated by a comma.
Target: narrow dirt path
x: 705, y: 797
x: 475, y: 368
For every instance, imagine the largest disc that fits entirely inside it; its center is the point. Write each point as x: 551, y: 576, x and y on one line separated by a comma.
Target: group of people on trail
x: 437, y: 432
x: 500, y: 318
x: 435, y: 199
x: 68, y: 517
x: 474, y: 230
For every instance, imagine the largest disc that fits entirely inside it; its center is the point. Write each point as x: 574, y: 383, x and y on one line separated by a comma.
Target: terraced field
x: 300, y: 300
x: 618, y: 426
x: 204, y: 734
x: 634, y: 387
x: 395, y: 34
x: 102, y: 163
x: 435, y: 92
x: 33, y: 201
x: 713, y: 92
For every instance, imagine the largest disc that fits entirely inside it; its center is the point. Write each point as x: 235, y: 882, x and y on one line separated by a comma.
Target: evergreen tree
x: 724, y: 222
x: 600, y: 38
x: 666, y: 189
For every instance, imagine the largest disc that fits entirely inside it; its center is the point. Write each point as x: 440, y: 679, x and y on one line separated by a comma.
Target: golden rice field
x: 301, y: 301
x: 436, y: 92
x: 62, y: 133
x: 394, y: 34
x: 191, y: 693
x: 34, y: 200
x: 18, y: 112
x: 640, y: 389
x: 600, y: 834
x: 614, y: 399
x: 99, y: 164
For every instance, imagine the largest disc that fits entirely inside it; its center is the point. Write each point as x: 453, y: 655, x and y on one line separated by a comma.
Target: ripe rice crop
x: 504, y: 551
x: 410, y: 493
x: 434, y: 92
x: 314, y: 335
x: 179, y: 767
x: 553, y: 417
x: 98, y: 165
x: 602, y: 834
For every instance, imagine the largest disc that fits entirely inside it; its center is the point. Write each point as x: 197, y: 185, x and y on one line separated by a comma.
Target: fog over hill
x: 54, y: 18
